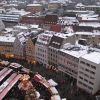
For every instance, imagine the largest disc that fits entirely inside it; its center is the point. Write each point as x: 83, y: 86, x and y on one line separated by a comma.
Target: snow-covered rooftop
x: 34, y: 26
x: 54, y: 1
x: 89, y: 16
x: 34, y: 4
x: 90, y: 24
x: 55, y: 97
x: 44, y: 38
x: 26, y: 27
x: 80, y: 5
x: 20, y: 27
x: 80, y: 11
x: 7, y: 39
x: 93, y: 57
x: 19, y: 12
x: 53, y: 90
x: 21, y: 37
x: 88, y: 33
x: 52, y: 82
x: 74, y: 50
x: 63, y: 35
x: 69, y: 29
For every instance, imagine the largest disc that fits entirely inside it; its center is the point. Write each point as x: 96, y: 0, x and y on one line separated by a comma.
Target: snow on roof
x: 34, y: 4
x: 55, y: 97
x: 64, y: 99
x: 93, y: 57
x: 92, y: 6
x: 74, y: 50
x: 80, y: 5
x: 80, y: 11
x: 21, y: 27
x: 52, y: 82
x: 34, y: 26
x: 53, y: 90
x: 59, y: 1
x: 88, y: 33
x: 8, y: 30
x: 69, y: 29
x: 90, y: 19
x: 44, y: 38
x: 68, y: 18
x: 21, y: 37
x: 54, y: 1
x: 63, y: 35
x: 90, y: 24
x: 7, y: 39
x: 89, y: 15
x: 19, y: 12
x: 14, y: 5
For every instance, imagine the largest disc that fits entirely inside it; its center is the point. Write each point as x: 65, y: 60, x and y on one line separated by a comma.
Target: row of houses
x: 64, y: 54
x: 81, y: 6
x: 57, y: 50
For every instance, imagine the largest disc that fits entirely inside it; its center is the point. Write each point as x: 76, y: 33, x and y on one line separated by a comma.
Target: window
x: 90, y: 88
x: 84, y: 85
x: 81, y: 68
x: 87, y: 64
x: 81, y: 77
x: 91, y: 82
x: 91, y: 77
x: 93, y: 67
x: 81, y: 72
x: 87, y: 70
x: 86, y: 75
x: 79, y: 82
x: 92, y: 72
x: 85, y: 80
x: 82, y: 62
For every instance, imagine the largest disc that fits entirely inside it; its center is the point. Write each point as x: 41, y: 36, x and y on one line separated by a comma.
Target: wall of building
x: 88, y: 76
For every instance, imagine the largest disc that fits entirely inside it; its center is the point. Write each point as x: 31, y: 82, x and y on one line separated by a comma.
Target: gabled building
x: 19, y: 46
x: 56, y: 43
x: 53, y: 5
x: 23, y: 46
x: 34, y: 8
x: 41, y: 47
x: 30, y: 49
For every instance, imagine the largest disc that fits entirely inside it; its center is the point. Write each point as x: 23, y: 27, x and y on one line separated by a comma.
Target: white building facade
x: 89, y: 72
x: 41, y: 47
x: 68, y: 59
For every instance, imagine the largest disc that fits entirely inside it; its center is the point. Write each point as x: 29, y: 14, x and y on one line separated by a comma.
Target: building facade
x: 55, y: 44
x: 89, y: 72
x: 7, y: 46
x: 19, y: 47
x: 41, y: 47
x: 68, y: 59
x: 34, y: 8
x: 30, y: 49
